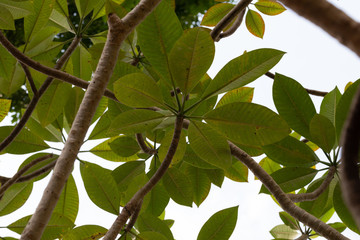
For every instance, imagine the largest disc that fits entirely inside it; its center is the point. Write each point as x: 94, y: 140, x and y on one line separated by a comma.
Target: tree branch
x: 143, y: 146
x: 29, y: 78
x: 310, y: 91
x: 303, y: 236
x: 228, y: 18
x: 17, y: 175
x: 302, y: 197
x: 233, y: 28
x: 331, y: 19
x: 118, y: 31
x: 283, y: 199
x: 29, y: 110
x: 130, y: 207
x: 134, y: 217
x: 350, y: 140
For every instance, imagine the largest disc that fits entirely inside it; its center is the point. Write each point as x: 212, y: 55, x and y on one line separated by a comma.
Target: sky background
x: 313, y: 58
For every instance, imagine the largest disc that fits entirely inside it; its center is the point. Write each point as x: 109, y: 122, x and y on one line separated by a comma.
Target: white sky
x: 313, y: 58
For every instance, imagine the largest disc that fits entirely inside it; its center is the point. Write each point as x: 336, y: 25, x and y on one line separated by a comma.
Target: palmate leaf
x: 220, y: 225
x: 291, y: 152
x: 138, y: 90
x: 269, y: 7
x: 293, y: 104
x: 216, y: 13
x: 4, y: 108
x: 157, y: 35
x: 14, y: 197
x: 57, y: 226
x: 191, y: 57
x: 101, y: 187
x: 209, y: 145
x: 248, y: 123
x: 92, y: 232
x: 255, y: 23
x: 243, y: 70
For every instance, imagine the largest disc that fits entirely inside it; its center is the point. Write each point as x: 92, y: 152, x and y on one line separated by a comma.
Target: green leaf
x: 101, y: 187
x: 38, y: 165
x: 166, y: 143
x: 343, y: 107
x: 342, y: 210
x: 178, y: 186
x: 289, y: 220
x: 81, y: 60
x: 125, y: 146
x: 34, y: 22
x: 255, y: 23
x: 216, y: 13
x: 25, y: 142
x: 329, y: 104
x: 291, y: 178
x: 322, y: 132
x: 126, y: 172
x: 138, y: 90
x: 151, y: 236
x: 291, y: 152
x: 220, y: 225
x: 12, y: 75
x: 92, y: 232
x: 86, y: 6
x: 190, y: 58
x: 293, y: 104
x: 135, y: 121
x: 269, y: 165
x: 193, y: 159
x: 209, y: 145
x: 17, y: 10
x: 40, y: 41
x: 200, y: 182
x: 14, y: 197
x: 269, y: 7
x: 6, y: 19
x: 248, y: 123
x: 101, y: 127
x: 157, y: 35
x: 59, y: 21
x: 56, y: 227
x: 52, y: 102
x: 68, y: 204
x: 147, y: 222
x: 243, y: 70
x: 283, y: 232
x: 238, y: 172
x: 243, y: 94
x: 71, y: 108
x: 4, y: 108
x: 216, y: 176
x: 134, y: 186
x: 104, y: 151
x: 340, y: 227
x: 159, y: 199
x: 48, y: 133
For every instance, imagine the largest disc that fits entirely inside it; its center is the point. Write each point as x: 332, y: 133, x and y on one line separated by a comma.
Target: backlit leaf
x: 166, y: 143
x: 269, y: 7
x: 126, y: 172
x: 322, y: 132
x: 124, y: 146
x: 147, y: 222
x: 216, y: 13
x: 4, y: 108
x: 283, y: 232
x: 92, y: 232
x: 255, y: 23
x: 243, y: 94
x: 6, y: 19
x: 14, y: 197
x: 68, y: 204
x: 329, y: 104
x: 17, y: 10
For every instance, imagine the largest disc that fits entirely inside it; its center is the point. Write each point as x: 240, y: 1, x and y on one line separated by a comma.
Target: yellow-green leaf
x: 269, y: 7
x: 4, y: 108
x: 216, y: 13
x: 255, y: 23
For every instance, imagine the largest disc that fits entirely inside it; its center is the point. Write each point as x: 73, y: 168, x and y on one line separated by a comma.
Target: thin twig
x: 225, y: 21
x: 233, y: 28
x: 143, y: 146
x: 310, y: 91
x: 130, y: 207
x: 350, y: 141
x: 302, y: 197
x: 29, y: 78
x: 17, y: 175
x: 283, y: 199
x: 31, y: 107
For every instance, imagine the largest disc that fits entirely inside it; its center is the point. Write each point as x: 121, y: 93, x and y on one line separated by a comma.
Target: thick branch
x: 310, y: 91
x: 331, y: 19
x: 302, y: 197
x: 350, y: 159
x: 134, y: 217
x: 17, y: 175
x: 130, y: 207
x: 29, y: 110
x: 283, y: 199
x: 228, y: 18
x: 118, y: 31
x: 234, y: 27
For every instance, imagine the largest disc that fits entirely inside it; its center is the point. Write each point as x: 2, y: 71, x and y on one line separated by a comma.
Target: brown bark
x: 331, y: 19
x: 118, y: 31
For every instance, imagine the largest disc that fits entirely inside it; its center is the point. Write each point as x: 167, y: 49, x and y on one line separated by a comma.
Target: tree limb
x: 233, y: 28
x: 118, y: 31
x: 17, y: 175
x: 350, y: 141
x: 134, y: 217
x: 331, y: 19
x: 225, y: 21
x: 31, y: 107
x: 130, y: 207
x: 143, y: 146
x: 302, y: 197
x: 29, y: 78
x: 283, y: 199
